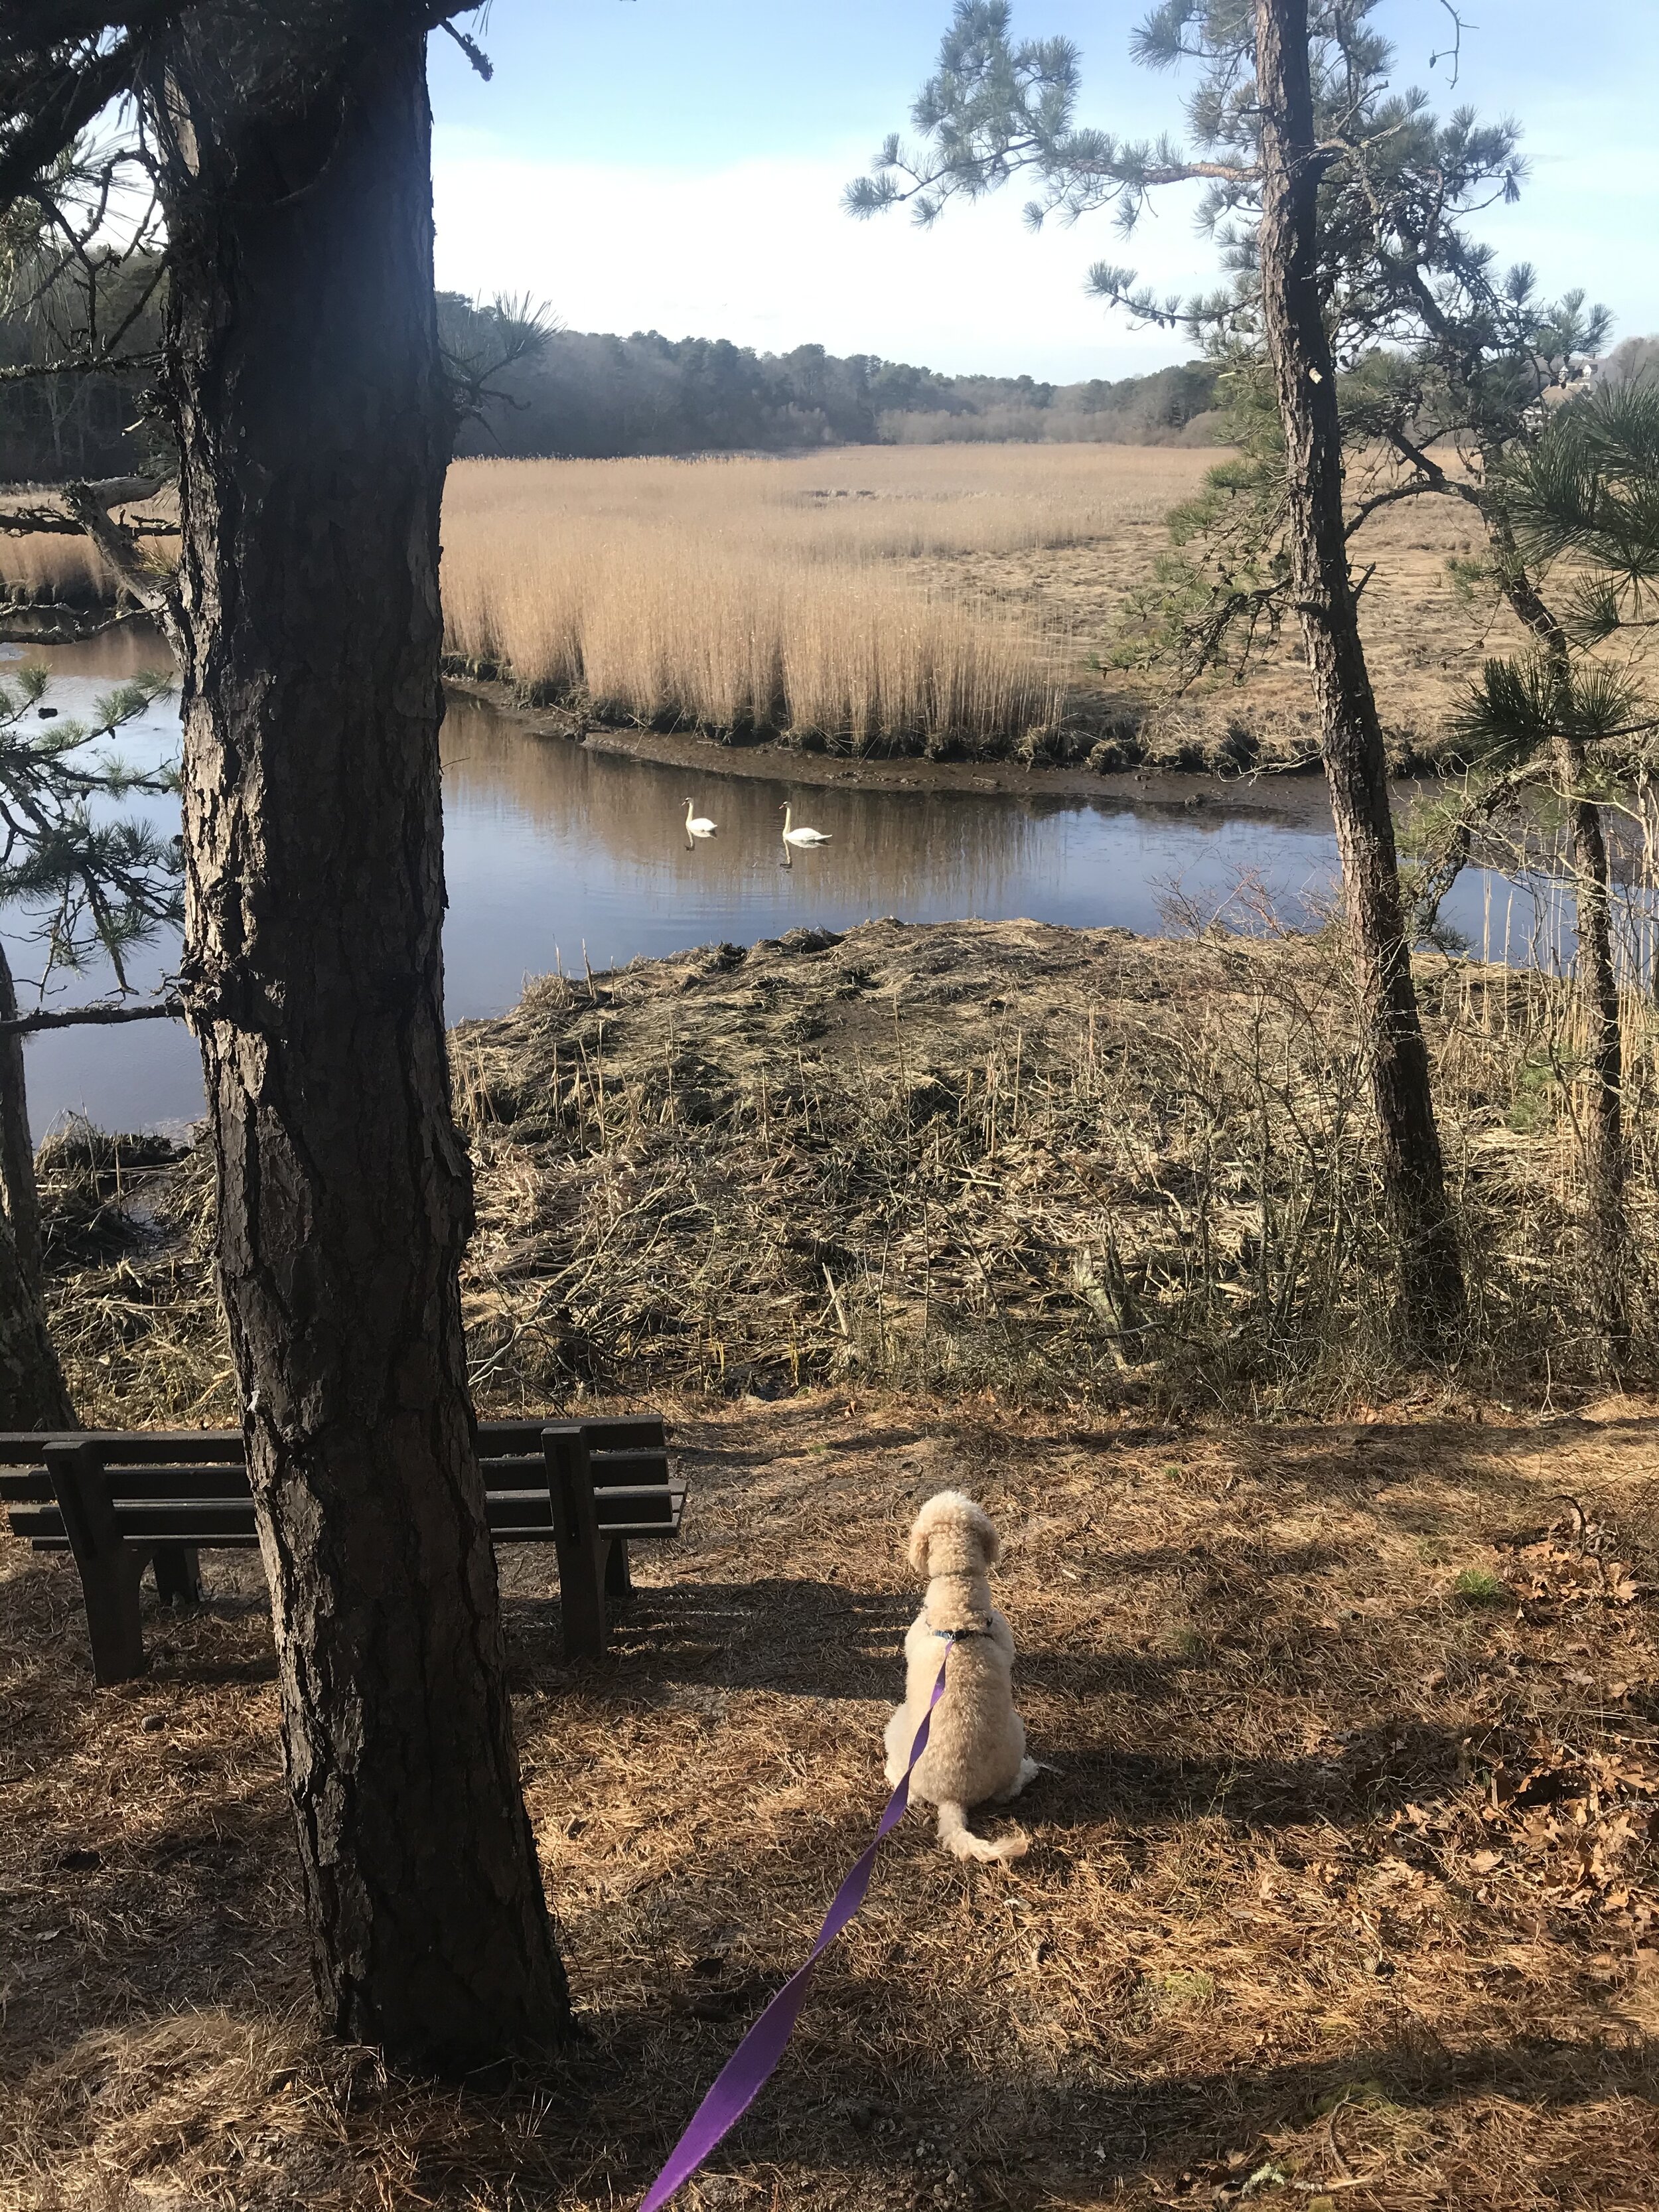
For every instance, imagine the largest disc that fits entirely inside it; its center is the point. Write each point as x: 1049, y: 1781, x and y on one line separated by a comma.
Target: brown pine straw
x: 1344, y: 1884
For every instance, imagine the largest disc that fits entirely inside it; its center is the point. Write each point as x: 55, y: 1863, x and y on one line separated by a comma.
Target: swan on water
x: 792, y: 836
x: 699, y: 825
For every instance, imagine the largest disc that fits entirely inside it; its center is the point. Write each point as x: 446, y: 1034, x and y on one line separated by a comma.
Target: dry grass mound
x: 1342, y: 1889
x: 1063, y: 1166
x: 1055, y: 1163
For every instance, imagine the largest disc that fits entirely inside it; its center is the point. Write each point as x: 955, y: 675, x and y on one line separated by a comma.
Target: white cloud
x: 760, y: 253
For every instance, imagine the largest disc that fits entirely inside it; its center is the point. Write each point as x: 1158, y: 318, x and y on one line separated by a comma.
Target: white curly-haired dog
x: 977, y: 1745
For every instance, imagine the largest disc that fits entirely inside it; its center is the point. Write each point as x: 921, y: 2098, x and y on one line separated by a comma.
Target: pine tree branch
x: 74, y: 625
x: 50, y: 101
x: 157, y: 595
x: 165, y: 1010
x: 101, y: 364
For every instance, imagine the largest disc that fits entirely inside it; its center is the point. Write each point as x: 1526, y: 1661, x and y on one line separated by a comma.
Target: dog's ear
x: 920, y: 1536
x: 990, y: 1542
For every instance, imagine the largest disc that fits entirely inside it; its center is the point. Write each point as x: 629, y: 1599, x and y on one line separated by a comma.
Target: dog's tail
x: 958, y: 1838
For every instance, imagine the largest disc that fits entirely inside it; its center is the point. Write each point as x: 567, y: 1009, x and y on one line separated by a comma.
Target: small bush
x: 1479, y: 1586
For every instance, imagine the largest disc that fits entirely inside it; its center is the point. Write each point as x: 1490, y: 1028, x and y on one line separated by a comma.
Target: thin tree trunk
x: 314, y: 426
x: 1607, y: 1224
x: 33, y: 1392
x: 1413, y: 1178
x: 16, y: 1144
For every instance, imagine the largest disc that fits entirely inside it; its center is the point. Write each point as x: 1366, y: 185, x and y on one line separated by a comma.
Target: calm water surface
x: 554, y: 853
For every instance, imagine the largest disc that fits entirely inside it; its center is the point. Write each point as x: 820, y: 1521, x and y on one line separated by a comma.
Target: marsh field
x: 921, y: 599
x: 932, y: 598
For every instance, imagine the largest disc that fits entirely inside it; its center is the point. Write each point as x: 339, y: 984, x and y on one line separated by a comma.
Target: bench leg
x: 618, y: 1583
x: 570, y: 1488
x: 109, y: 1572
x: 177, y: 1576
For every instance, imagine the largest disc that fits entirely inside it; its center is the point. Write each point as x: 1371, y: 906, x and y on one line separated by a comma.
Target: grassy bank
x: 1061, y: 1166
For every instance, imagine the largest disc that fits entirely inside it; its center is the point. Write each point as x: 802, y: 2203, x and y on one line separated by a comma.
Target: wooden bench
x: 156, y: 1498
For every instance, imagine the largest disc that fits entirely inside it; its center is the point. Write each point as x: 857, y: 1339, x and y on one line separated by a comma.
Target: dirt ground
x: 1341, y: 1890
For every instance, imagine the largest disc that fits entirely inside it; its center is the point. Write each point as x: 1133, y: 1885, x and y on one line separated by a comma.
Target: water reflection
x: 555, y: 853
x: 552, y: 849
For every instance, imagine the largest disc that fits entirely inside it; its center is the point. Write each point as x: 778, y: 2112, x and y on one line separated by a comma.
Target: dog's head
x: 951, y: 1535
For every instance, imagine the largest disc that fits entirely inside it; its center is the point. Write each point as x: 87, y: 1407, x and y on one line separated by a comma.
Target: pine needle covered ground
x: 1342, y: 1886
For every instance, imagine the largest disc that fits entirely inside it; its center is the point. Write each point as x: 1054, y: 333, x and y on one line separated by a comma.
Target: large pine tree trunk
x: 1431, y: 1278
x: 314, y: 428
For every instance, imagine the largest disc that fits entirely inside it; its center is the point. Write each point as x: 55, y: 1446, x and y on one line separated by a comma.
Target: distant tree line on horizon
x: 594, y: 397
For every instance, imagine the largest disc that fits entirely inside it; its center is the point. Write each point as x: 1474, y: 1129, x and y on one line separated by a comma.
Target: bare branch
x: 165, y: 1010
x: 73, y: 625
x: 119, y: 547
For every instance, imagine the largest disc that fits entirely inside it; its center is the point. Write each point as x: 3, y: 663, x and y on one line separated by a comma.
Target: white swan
x: 699, y: 825
x: 802, y: 836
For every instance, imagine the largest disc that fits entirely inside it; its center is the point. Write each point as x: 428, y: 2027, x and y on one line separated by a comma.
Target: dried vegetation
x: 948, y: 599
x: 1066, y: 1166
x: 1345, y: 1866
x: 1342, y: 1891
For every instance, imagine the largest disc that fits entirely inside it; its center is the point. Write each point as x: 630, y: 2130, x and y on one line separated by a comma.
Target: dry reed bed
x: 1061, y: 1165
x: 786, y: 594
x: 944, y: 599
x: 1056, y: 1163
x: 1341, y: 1893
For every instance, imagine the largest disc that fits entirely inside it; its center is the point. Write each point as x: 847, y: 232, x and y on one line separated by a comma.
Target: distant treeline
x: 55, y: 429
x: 598, y: 396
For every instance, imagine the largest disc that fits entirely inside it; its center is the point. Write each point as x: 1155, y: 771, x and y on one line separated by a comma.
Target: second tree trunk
x: 1408, y: 1141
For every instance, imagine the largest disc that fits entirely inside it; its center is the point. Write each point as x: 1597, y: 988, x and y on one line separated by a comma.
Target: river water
x: 555, y: 854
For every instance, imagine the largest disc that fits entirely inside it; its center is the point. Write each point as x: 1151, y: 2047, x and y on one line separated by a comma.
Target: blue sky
x: 675, y: 164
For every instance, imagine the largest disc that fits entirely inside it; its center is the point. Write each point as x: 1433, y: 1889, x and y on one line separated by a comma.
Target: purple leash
x: 745, y: 2073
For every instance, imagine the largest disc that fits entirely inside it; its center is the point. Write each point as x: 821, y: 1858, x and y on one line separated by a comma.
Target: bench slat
x: 227, y: 1477
x: 129, y: 1448
x: 612, y: 1471
x: 614, y: 1432
x: 214, y: 1521
x: 198, y: 1447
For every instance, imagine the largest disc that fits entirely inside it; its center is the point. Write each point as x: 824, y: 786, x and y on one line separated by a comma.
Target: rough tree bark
x: 1431, y: 1277
x: 1606, y: 1219
x: 314, y: 426
x: 33, y: 1392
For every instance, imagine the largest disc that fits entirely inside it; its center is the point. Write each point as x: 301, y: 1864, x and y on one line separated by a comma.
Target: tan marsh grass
x: 785, y: 593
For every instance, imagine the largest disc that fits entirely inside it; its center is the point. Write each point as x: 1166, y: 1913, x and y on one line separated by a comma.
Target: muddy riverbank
x: 1291, y: 793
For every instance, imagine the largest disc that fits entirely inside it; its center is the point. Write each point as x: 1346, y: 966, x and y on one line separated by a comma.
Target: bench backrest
x: 191, y: 1486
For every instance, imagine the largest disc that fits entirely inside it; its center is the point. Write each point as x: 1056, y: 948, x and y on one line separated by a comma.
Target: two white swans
x: 699, y: 825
